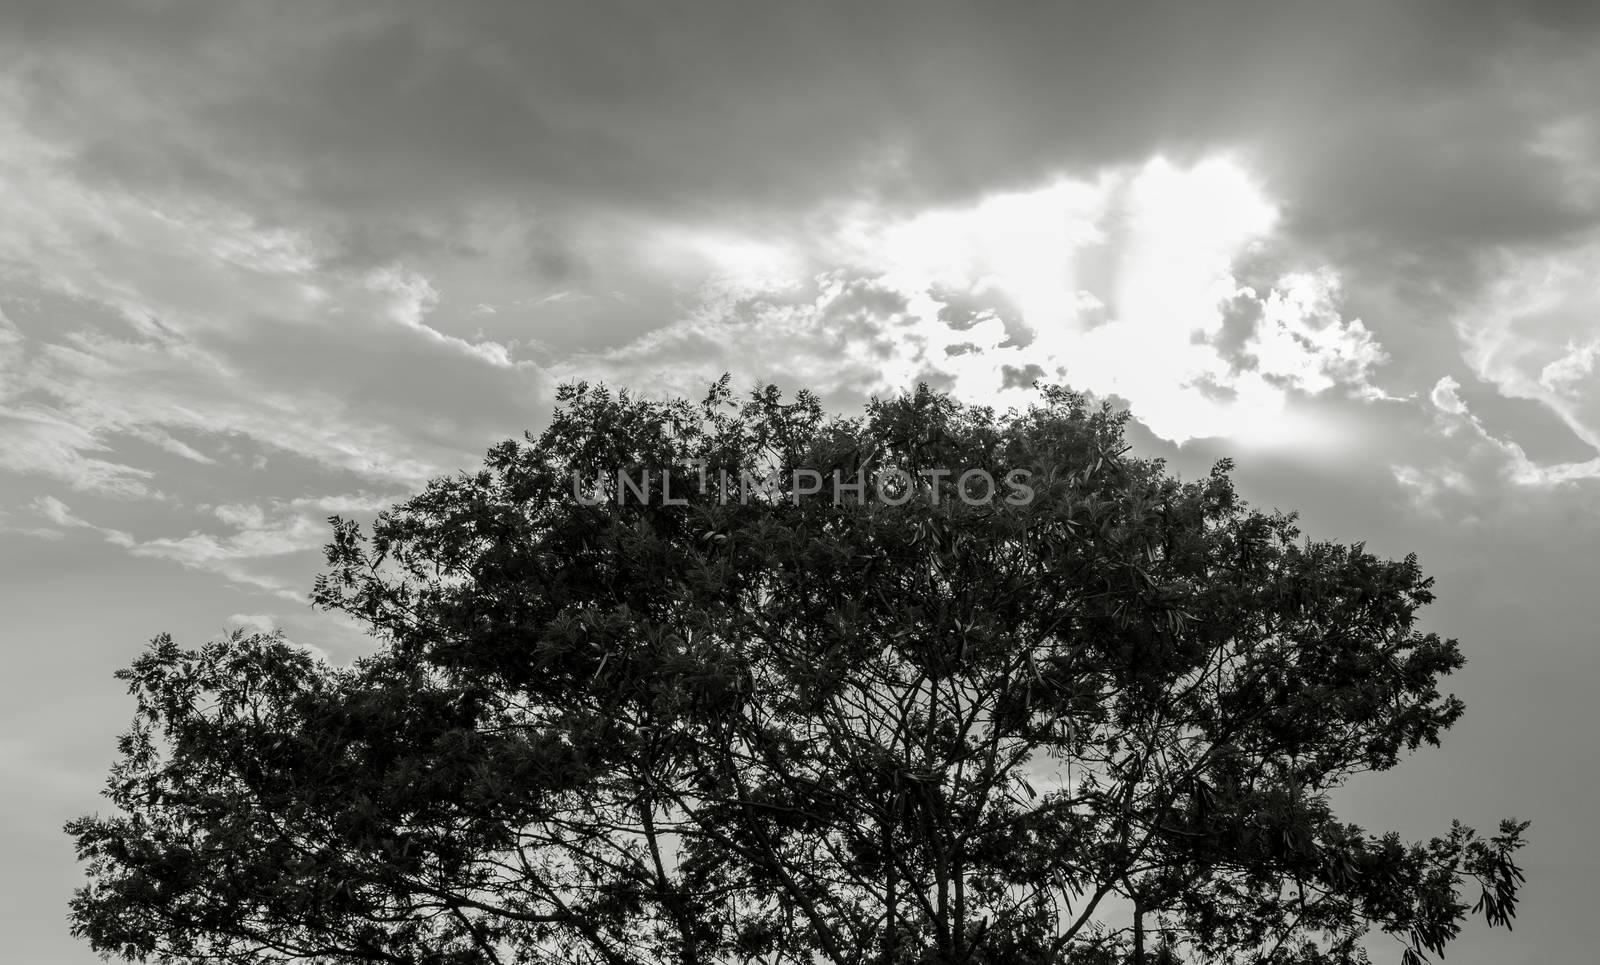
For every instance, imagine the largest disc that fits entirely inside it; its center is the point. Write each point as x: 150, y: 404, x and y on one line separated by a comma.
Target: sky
x: 263, y: 263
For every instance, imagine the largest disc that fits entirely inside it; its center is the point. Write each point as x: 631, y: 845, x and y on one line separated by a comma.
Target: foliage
x: 1101, y: 725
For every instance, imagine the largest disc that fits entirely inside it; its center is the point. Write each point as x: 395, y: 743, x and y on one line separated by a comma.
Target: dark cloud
x: 1400, y: 139
x: 1014, y: 377
x: 392, y: 107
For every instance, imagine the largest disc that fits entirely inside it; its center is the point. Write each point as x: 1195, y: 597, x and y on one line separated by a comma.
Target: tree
x: 1093, y: 714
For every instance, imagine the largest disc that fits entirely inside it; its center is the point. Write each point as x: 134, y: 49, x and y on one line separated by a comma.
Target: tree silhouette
x: 1090, y: 716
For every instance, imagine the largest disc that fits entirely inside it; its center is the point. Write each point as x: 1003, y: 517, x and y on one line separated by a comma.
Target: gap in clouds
x: 1126, y: 284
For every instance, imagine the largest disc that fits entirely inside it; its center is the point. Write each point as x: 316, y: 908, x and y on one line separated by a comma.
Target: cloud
x: 254, y: 542
x: 1372, y: 115
x: 1428, y: 486
x: 1466, y: 469
x: 274, y: 271
x: 254, y: 622
x: 60, y: 514
x: 1302, y: 339
x: 173, y: 322
x: 1566, y: 375
x: 267, y: 624
x: 1446, y: 398
x: 1121, y: 284
x: 56, y: 512
x: 1533, y: 333
x: 38, y: 439
x: 218, y: 289
x: 258, y: 538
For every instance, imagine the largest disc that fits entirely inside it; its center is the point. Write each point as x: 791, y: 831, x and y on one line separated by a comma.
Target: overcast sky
x: 260, y: 264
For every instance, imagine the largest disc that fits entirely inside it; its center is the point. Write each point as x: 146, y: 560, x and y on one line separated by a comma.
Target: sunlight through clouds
x: 1120, y: 284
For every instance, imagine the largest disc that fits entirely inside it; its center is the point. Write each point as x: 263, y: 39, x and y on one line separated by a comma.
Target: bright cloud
x: 1120, y: 284
x: 1533, y: 335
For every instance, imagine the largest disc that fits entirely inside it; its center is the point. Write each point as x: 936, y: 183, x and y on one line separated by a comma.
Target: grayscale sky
x: 264, y: 263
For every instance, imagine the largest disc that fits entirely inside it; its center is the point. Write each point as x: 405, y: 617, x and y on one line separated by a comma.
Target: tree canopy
x: 698, y: 721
